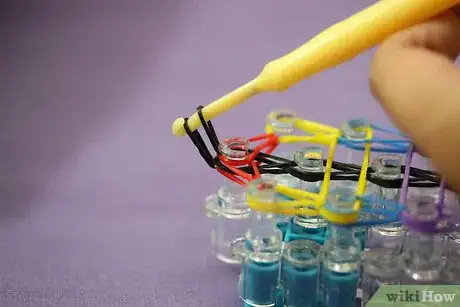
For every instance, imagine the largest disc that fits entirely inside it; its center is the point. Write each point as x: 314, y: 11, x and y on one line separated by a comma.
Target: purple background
x: 92, y: 181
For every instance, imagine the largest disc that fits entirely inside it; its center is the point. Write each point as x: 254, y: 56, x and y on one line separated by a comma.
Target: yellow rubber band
x: 339, y: 218
x: 327, y: 172
x: 296, y: 194
x: 307, y: 203
x: 314, y: 127
x: 321, y: 139
x: 296, y: 207
x: 362, y: 181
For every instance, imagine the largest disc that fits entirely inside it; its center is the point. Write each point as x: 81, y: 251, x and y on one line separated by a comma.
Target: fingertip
x: 414, y: 78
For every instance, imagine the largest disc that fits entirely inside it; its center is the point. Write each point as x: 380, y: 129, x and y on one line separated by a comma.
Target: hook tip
x: 178, y: 127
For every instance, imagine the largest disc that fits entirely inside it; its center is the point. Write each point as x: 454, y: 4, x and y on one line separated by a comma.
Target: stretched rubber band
x: 259, y: 160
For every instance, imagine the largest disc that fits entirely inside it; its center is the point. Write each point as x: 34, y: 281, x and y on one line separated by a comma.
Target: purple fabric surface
x: 100, y: 204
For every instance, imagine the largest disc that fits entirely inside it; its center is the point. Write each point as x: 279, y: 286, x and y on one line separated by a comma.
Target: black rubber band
x: 199, y: 144
x: 209, y: 129
x: 342, y: 171
x: 271, y: 164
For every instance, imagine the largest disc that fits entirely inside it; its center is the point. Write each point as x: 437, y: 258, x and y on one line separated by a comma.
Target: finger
x: 414, y: 77
x: 456, y: 11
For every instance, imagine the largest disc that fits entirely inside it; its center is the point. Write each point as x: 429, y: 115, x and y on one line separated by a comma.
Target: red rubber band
x: 255, y: 167
x: 231, y: 177
x: 268, y: 146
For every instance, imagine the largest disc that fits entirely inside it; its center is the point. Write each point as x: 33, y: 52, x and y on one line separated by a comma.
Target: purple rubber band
x: 405, y: 183
x: 411, y: 221
x: 435, y: 226
x: 442, y: 194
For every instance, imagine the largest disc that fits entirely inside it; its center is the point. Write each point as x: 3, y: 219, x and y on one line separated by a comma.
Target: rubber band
x: 387, y: 130
x: 271, y: 141
x: 321, y: 134
x: 343, y: 171
x: 209, y: 129
x: 444, y: 221
x: 352, y: 217
x: 199, y: 144
x: 314, y: 127
x: 405, y: 184
x: 252, y: 163
x: 231, y: 177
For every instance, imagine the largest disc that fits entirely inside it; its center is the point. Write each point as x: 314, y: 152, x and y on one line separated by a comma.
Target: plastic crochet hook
x: 335, y: 45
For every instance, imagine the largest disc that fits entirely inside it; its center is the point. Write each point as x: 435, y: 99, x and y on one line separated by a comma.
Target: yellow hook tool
x: 335, y: 45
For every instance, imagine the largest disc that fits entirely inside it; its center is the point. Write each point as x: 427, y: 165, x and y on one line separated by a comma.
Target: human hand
x: 415, y: 78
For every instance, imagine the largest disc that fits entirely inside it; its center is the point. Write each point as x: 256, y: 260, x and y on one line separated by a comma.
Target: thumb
x: 414, y: 77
